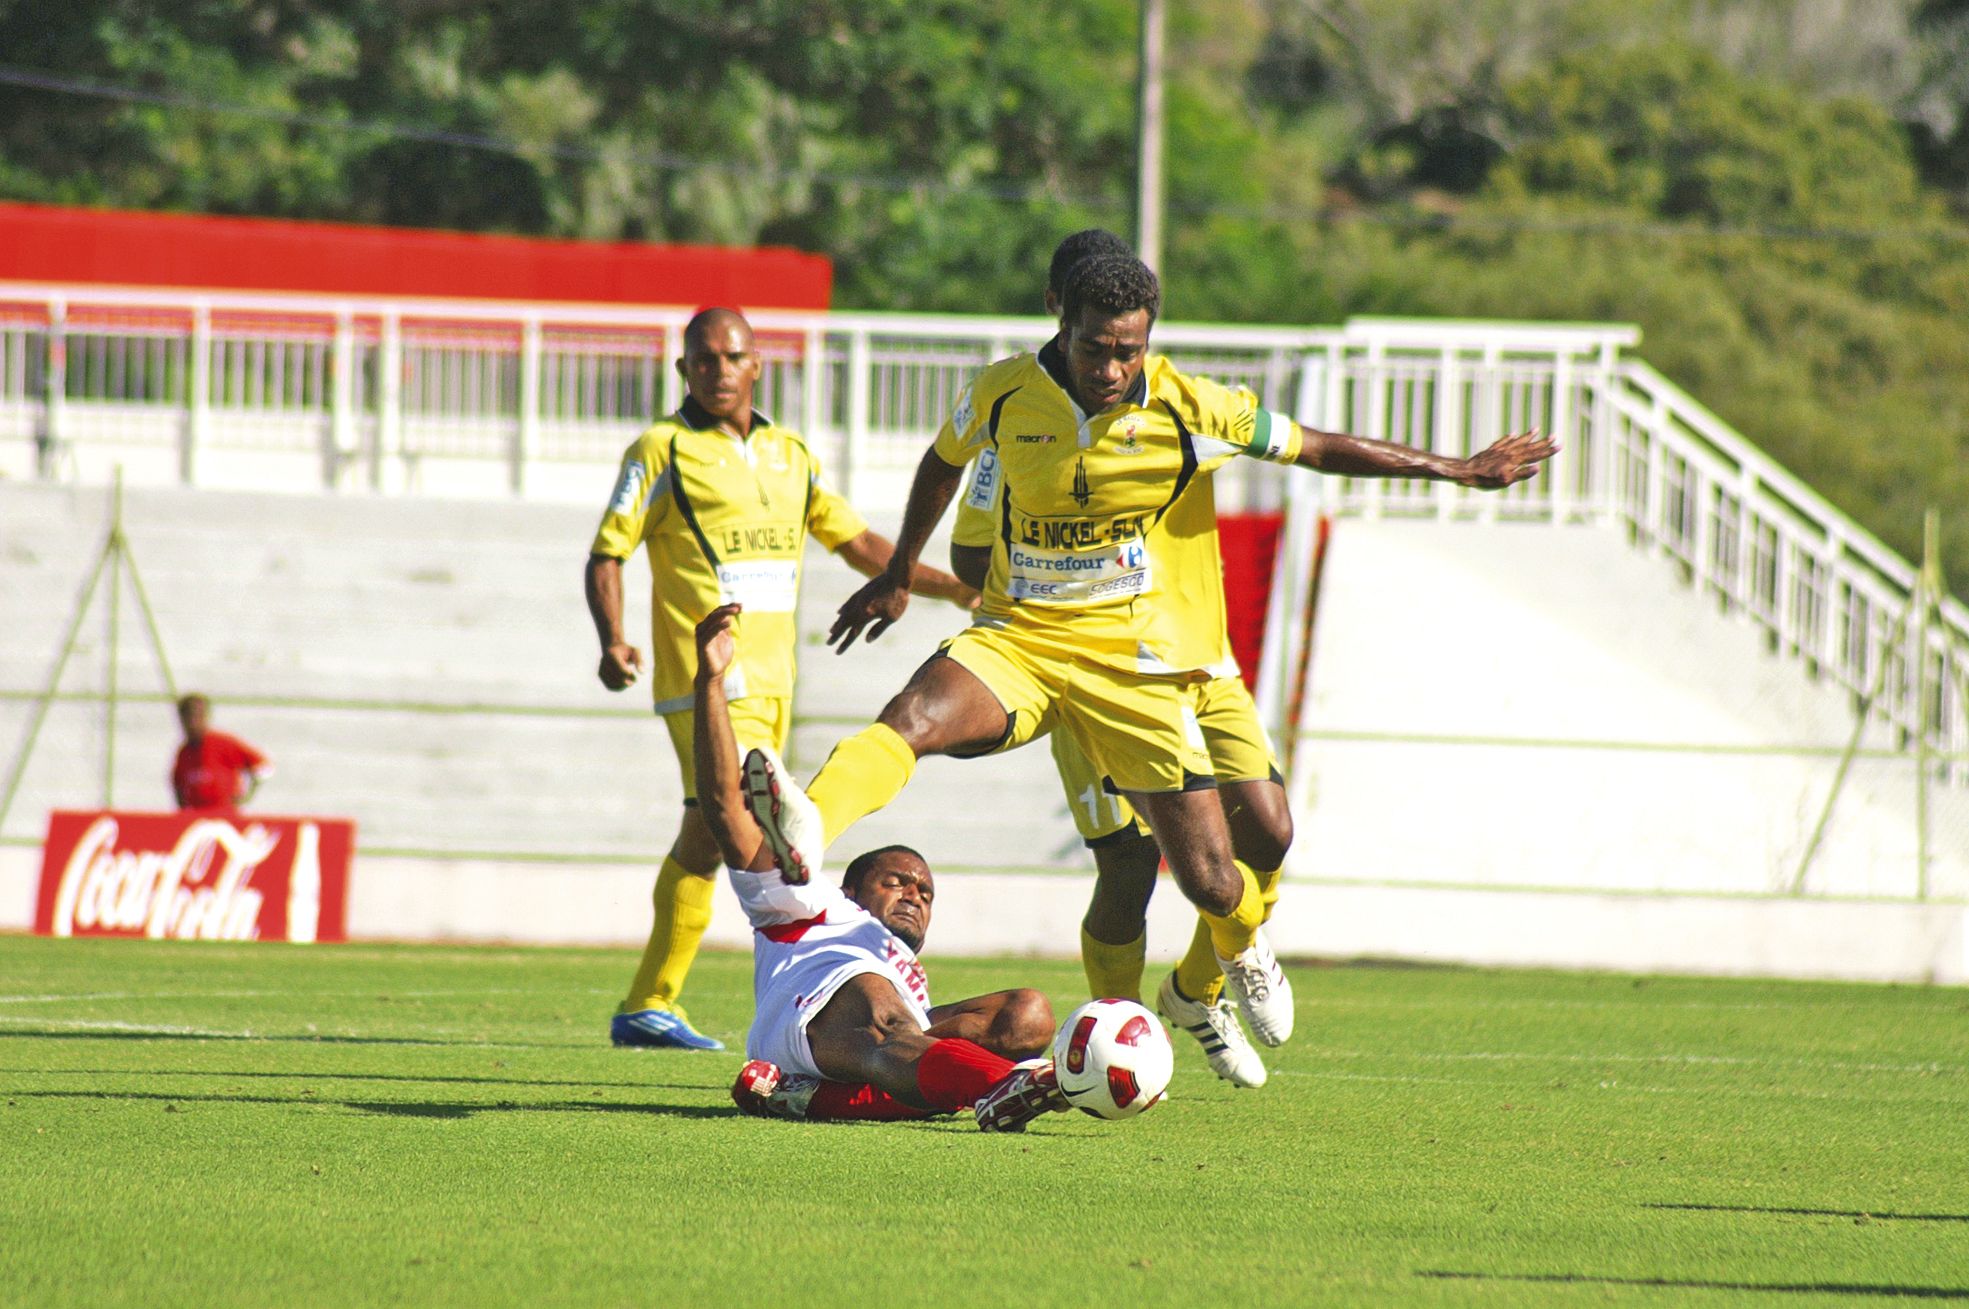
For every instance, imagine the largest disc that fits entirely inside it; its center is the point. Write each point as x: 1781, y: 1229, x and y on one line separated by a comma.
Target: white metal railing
x: 1756, y: 539
x: 384, y: 393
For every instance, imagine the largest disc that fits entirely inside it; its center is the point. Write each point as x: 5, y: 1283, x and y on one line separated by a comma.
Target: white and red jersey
x: 809, y: 941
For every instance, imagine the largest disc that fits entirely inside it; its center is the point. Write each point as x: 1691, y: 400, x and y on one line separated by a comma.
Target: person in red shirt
x: 213, y: 770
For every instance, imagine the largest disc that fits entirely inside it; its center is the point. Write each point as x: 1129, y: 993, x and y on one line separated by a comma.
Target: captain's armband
x: 1274, y: 438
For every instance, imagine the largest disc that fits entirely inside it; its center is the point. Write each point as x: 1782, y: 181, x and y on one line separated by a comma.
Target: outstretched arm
x: 870, y: 552
x: 1510, y: 459
x: 885, y: 597
x: 719, y: 793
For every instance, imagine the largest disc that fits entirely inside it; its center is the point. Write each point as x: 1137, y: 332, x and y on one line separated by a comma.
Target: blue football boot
x: 659, y: 1029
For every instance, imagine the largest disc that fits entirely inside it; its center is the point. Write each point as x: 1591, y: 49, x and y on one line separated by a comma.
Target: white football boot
x: 1216, y: 1028
x: 1255, y: 980
x: 1029, y: 1090
x: 790, y: 820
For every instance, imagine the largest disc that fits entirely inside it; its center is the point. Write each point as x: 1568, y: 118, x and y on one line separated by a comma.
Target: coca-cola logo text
x: 191, y: 876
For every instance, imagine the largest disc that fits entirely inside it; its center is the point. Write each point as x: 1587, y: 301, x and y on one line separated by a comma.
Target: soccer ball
x: 1112, y: 1058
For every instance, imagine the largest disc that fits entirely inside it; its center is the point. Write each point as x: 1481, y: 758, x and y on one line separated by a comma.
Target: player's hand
x: 1507, y: 460
x: 966, y: 599
x: 716, y: 645
x: 620, y: 664
x: 880, y: 602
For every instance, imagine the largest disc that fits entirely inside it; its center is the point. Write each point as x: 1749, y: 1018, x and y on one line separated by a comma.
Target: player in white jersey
x: 844, y: 1027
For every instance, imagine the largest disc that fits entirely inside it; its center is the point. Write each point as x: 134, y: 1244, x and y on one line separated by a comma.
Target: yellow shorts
x: 1138, y: 731
x: 757, y: 720
x: 1240, y: 751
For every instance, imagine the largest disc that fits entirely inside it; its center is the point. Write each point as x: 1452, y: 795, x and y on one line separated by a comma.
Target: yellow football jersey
x: 1104, y: 527
x: 724, y: 521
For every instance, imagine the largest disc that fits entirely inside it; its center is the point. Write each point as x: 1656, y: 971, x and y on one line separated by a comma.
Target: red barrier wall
x: 1250, y: 545
x: 46, y: 243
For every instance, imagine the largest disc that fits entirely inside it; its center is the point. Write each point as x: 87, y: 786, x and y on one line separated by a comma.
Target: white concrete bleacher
x: 331, y: 603
x: 508, y: 796
x: 306, y: 617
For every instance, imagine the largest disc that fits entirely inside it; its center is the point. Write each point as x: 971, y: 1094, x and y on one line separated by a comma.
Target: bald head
x: 708, y: 324
x: 720, y: 367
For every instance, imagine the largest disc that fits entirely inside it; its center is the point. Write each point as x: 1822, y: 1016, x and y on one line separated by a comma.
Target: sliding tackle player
x: 843, y: 1026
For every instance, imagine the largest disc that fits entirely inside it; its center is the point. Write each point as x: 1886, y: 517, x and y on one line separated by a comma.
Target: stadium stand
x: 1642, y: 668
x: 307, y: 618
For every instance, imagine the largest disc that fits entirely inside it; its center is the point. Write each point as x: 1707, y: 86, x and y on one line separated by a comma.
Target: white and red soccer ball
x: 1112, y: 1058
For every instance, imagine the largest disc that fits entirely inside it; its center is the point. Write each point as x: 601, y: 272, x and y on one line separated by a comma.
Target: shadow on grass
x: 399, y: 1108
x: 256, y: 1038
x: 1875, y: 1215
x: 1882, y: 1289
x: 308, y: 1075
x: 166, y: 1034
x: 471, y: 1109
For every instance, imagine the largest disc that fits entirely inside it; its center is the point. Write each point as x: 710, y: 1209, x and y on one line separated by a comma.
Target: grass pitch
x: 218, y: 1125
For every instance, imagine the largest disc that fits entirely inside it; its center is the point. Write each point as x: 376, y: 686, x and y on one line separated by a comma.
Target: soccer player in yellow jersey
x: 1099, y: 447
x: 1113, y: 936
x: 724, y: 500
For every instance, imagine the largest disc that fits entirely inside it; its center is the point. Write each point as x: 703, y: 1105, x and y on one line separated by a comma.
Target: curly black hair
x: 1112, y: 284
x: 1081, y: 245
x: 864, y: 863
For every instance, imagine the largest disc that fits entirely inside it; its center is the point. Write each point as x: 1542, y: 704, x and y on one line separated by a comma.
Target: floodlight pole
x: 1923, y: 607
x: 115, y: 558
x: 47, y: 696
x: 1931, y: 585
x: 1148, y: 139
x: 115, y: 635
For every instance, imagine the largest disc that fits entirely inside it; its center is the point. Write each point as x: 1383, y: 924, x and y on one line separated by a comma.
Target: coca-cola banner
x: 196, y: 876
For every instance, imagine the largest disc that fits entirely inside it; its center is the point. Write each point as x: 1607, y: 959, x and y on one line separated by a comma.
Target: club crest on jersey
x: 1081, y: 493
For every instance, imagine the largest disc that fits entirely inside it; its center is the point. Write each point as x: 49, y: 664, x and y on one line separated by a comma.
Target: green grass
x: 217, y: 1125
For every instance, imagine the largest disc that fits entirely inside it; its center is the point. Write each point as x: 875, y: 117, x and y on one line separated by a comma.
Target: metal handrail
x: 1640, y: 450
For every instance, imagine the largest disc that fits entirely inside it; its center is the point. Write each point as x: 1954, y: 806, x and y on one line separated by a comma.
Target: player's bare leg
x: 1261, y: 831
x: 866, y: 1039
x: 943, y: 709
x: 1260, y: 819
x: 1112, y: 936
x: 1113, y: 940
x: 1195, y: 839
x: 1015, y: 1024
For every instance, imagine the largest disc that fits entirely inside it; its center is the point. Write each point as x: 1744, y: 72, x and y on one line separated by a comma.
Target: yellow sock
x: 1269, y: 881
x: 865, y: 772
x: 1197, y: 973
x: 1114, y: 972
x: 683, y: 911
x: 1233, y: 933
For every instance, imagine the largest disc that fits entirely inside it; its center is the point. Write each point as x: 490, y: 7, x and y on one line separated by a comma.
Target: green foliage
x: 1771, y: 189
x: 1667, y: 130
